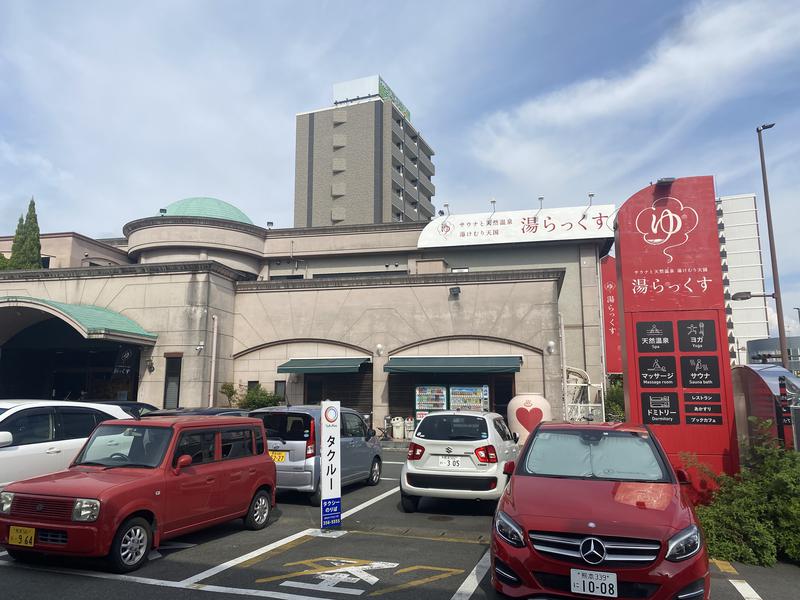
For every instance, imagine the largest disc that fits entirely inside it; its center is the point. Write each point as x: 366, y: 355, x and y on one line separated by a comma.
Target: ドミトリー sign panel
x: 330, y: 464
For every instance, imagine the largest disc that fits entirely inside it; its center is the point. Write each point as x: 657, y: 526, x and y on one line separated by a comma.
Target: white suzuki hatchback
x: 457, y: 454
x: 38, y: 437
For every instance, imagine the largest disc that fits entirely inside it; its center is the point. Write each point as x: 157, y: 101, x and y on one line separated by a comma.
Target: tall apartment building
x: 361, y: 161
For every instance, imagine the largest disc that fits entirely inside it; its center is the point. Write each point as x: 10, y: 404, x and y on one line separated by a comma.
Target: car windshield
x: 125, y: 446
x: 593, y: 454
x: 453, y: 428
x: 289, y: 427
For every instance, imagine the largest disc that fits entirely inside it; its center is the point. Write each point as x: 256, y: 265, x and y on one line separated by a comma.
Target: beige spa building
x: 365, y: 314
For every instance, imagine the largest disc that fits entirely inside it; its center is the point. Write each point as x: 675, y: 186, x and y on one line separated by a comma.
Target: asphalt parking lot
x: 438, y: 553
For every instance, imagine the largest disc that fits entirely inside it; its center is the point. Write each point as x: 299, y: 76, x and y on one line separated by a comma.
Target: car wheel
x: 374, y: 472
x: 23, y: 556
x: 409, y: 503
x: 131, y: 545
x: 316, y: 498
x: 258, y: 513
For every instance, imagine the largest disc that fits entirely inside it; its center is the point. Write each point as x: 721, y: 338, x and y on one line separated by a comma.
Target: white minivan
x: 459, y: 455
x: 38, y: 437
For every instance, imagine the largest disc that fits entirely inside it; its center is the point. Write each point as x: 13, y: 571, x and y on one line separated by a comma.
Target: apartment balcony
x: 398, y: 180
x: 412, y: 171
x: 411, y: 146
x: 426, y: 164
x: 398, y: 135
x: 426, y: 184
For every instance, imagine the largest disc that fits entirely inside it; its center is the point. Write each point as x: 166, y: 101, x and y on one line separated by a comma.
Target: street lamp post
x: 775, y: 280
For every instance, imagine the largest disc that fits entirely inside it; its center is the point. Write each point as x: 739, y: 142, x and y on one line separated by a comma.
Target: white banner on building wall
x: 519, y: 226
x: 330, y: 463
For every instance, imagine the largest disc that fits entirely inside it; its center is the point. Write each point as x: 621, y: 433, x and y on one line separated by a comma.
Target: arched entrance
x: 68, y: 351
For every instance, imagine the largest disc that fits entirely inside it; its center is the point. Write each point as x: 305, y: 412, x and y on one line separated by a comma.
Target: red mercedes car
x: 137, y: 483
x: 596, y: 511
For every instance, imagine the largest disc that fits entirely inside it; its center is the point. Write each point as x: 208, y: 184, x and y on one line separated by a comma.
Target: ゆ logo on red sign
x: 667, y: 222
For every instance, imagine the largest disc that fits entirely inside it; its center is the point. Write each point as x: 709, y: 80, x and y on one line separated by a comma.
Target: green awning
x: 92, y: 322
x: 323, y: 365
x: 453, y: 364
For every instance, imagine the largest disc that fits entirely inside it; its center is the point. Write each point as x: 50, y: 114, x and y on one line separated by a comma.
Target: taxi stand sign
x: 330, y: 465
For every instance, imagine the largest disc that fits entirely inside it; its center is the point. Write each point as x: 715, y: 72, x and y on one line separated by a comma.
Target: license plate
x: 450, y: 461
x: 21, y: 536
x: 278, y: 456
x: 594, y: 583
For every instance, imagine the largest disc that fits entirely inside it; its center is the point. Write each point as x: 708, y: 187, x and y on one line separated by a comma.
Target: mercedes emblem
x: 593, y: 551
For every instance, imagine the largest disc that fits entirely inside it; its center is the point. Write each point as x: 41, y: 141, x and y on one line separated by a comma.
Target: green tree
x: 3, y: 262
x: 33, y: 244
x: 258, y: 397
x: 26, y: 250
x: 16, y: 245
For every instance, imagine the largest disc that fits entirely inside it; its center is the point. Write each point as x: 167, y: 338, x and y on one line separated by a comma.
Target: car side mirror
x: 508, y: 468
x: 6, y: 439
x: 370, y: 434
x: 184, y: 460
x: 515, y: 437
x: 683, y: 476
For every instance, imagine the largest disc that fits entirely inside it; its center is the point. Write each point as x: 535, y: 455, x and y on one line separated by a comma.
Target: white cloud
x: 610, y: 134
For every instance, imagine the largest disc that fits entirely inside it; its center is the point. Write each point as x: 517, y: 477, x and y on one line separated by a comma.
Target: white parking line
x: 474, y: 579
x: 244, y: 558
x: 264, y: 549
x: 3, y: 553
x: 369, y: 503
x: 389, y: 479
x: 747, y: 592
x: 389, y: 462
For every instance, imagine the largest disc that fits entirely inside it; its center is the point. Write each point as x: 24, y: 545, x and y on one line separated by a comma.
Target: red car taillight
x: 415, y: 451
x: 311, y: 445
x: 486, y: 454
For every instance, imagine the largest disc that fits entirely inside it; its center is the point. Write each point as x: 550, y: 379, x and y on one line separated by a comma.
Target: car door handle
x: 252, y: 471
x: 53, y: 451
x: 210, y: 479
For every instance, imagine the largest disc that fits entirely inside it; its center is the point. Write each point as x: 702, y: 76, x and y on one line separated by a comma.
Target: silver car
x: 293, y: 442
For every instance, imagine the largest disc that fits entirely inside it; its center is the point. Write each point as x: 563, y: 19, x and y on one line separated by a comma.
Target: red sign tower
x: 676, y: 359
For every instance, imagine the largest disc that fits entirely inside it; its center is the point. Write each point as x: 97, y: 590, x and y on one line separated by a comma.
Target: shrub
x: 258, y: 397
x: 615, y: 399
x: 754, y: 517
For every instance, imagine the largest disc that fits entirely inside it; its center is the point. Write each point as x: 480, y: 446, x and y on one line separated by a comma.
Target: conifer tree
x: 33, y: 245
x: 16, y: 246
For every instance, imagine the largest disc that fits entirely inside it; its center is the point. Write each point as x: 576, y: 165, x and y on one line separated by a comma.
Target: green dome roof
x: 210, y: 208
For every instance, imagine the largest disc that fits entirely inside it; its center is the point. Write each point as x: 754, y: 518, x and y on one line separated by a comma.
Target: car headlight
x: 508, y: 529
x: 6, y: 498
x: 85, y: 509
x: 684, y: 544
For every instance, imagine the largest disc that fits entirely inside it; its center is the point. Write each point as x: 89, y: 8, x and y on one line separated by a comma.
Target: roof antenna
x: 591, y: 197
x: 541, y: 204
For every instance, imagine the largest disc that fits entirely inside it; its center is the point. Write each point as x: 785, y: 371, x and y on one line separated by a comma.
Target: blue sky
x: 111, y: 110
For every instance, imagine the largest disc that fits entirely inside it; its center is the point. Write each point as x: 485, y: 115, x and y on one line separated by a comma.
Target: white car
x: 38, y: 437
x: 457, y: 454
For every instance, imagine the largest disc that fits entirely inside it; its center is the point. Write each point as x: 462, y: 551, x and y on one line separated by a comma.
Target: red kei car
x: 596, y: 511
x: 137, y: 483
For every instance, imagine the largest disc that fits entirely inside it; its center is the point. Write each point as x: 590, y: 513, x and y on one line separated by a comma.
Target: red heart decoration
x: 529, y: 418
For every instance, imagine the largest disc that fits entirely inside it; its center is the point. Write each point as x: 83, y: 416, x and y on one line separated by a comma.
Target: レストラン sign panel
x: 519, y: 226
